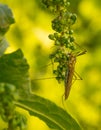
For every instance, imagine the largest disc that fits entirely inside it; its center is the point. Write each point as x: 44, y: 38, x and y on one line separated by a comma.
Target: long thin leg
x: 44, y: 66
x: 77, y: 75
x: 84, y: 50
x: 44, y: 78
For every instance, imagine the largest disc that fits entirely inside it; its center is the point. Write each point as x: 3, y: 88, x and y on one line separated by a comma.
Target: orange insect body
x: 69, y: 75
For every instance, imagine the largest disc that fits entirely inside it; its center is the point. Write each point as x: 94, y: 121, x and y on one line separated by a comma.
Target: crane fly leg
x: 77, y: 76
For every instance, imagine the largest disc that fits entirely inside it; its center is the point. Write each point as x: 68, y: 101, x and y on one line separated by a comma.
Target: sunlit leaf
x: 54, y: 116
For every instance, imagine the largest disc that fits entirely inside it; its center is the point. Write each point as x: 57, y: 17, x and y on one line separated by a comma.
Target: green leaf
x: 6, y: 18
x: 54, y: 116
x: 14, y: 70
x: 3, y: 46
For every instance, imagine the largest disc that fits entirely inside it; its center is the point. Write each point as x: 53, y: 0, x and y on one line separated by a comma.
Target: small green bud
x: 55, y: 72
x: 68, y: 14
x: 51, y: 56
x: 68, y: 4
x: 57, y: 26
x: 73, y: 18
x: 57, y: 42
x: 56, y: 2
x: 2, y: 88
x: 56, y: 59
x: 51, y: 36
x: 51, y: 8
x: 56, y: 35
x: 10, y: 88
x: 72, y: 39
x: 72, y: 47
x: 71, y: 31
x: 58, y: 79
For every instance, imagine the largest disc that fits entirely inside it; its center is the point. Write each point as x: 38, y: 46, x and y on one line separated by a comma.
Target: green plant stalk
x: 64, y: 41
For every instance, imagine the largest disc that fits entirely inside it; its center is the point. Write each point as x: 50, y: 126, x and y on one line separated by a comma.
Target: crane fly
x: 70, y: 72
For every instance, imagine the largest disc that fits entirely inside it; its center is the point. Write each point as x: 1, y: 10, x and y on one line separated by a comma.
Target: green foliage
x: 47, y: 111
x: 6, y: 19
x: 15, y: 91
x: 32, y: 27
x: 54, y: 116
x: 9, y: 94
x: 16, y: 71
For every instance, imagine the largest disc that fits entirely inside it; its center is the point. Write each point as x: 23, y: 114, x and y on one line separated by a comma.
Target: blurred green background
x: 30, y: 33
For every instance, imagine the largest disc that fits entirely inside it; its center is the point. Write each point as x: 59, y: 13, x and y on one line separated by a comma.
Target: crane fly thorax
x: 72, y: 61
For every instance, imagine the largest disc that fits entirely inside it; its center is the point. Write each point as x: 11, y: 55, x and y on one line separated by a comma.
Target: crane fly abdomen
x: 69, y: 75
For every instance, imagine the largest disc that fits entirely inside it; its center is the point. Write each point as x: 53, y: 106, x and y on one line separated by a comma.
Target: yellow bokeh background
x: 30, y: 33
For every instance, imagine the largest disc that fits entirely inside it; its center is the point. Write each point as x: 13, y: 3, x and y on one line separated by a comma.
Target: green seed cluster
x: 8, y: 94
x: 63, y: 35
